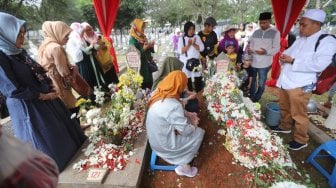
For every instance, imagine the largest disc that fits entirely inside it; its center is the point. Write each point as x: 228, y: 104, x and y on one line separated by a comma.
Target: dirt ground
x: 216, y: 167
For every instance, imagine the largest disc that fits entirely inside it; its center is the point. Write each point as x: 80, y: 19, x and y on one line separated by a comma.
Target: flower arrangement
x: 287, y: 185
x: 250, y: 143
x: 99, y: 154
x: 131, y: 79
x: 122, y: 117
x: 99, y: 95
x: 84, y: 105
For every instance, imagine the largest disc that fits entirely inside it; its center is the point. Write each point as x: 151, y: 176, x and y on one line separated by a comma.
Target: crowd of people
x: 300, y: 63
x: 39, y: 93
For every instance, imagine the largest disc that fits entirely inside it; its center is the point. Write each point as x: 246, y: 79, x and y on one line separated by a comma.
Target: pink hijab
x: 77, y: 33
x: 93, y: 38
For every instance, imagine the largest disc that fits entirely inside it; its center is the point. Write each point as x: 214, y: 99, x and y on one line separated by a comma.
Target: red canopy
x: 106, y: 11
x: 286, y: 13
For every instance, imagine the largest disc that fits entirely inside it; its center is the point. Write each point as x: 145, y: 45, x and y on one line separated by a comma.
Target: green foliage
x: 61, y: 10
x: 128, y: 11
x: 177, y: 12
x: 89, y: 15
x: 23, y: 9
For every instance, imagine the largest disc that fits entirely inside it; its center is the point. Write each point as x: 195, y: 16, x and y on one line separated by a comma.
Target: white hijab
x: 76, y: 43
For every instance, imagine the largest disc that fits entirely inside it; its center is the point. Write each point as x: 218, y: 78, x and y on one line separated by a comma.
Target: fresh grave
x: 115, y: 122
x: 246, y: 137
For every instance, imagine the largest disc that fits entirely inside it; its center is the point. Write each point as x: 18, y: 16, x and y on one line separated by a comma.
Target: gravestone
x: 222, y: 63
x: 133, y: 58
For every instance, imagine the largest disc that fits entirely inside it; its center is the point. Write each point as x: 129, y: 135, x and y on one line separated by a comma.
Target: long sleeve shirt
x: 269, y: 40
x: 192, y: 53
x: 165, y: 118
x: 308, y: 62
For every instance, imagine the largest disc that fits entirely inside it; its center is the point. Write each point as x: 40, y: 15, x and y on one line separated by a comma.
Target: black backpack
x: 333, y: 60
x: 327, y: 77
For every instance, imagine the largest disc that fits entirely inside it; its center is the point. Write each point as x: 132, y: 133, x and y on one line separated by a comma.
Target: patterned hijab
x: 54, y: 32
x: 77, y: 30
x: 9, y: 30
x: 136, y: 30
x: 76, y: 34
x: 170, y: 87
x: 90, y: 38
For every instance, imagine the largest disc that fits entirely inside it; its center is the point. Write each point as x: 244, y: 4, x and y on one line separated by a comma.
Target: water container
x: 272, y: 114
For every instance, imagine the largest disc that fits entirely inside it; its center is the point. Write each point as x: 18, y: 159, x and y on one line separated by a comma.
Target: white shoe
x: 181, y: 171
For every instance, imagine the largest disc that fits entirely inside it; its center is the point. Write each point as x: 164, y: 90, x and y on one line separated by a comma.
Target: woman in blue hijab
x: 38, y: 116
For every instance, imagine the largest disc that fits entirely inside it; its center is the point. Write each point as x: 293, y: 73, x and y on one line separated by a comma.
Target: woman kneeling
x: 173, y: 133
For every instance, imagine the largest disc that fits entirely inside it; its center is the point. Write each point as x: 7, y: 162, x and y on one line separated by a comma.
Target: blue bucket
x: 272, y: 114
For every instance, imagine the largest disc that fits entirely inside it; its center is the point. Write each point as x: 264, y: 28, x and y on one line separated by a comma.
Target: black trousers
x: 197, y: 85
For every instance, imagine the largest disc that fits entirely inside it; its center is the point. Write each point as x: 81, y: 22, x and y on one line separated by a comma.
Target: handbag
x: 192, y: 64
x: 79, y: 84
x: 153, y: 66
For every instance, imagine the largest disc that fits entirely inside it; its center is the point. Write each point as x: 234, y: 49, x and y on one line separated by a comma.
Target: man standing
x: 300, y: 66
x: 263, y: 44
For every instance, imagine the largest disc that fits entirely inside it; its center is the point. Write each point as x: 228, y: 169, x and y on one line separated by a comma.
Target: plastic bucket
x: 272, y: 114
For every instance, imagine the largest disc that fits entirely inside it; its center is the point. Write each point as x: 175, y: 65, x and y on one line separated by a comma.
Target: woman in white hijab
x: 75, y: 43
x: 38, y: 116
x: 94, y: 77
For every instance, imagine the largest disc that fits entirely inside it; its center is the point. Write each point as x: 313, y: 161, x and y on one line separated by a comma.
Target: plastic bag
x: 22, y: 166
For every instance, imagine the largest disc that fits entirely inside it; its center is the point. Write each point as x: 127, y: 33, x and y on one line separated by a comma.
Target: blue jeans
x: 256, y: 92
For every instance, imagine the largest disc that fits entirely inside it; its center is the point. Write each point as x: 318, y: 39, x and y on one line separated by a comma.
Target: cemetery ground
x: 216, y: 166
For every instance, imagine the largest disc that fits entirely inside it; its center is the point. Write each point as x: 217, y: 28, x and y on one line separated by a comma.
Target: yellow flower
x: 82, y: 101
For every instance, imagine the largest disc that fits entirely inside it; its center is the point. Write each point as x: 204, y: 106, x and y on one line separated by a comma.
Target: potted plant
x: 330, y: 121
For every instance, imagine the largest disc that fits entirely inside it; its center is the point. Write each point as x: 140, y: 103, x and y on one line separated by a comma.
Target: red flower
x: 229, y: 123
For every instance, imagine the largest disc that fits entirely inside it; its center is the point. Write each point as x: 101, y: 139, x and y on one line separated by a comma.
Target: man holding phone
x: 263, y: 45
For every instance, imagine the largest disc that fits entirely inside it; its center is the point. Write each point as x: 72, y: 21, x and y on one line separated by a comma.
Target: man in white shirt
x: 263, y: 44
x: 300, y: 66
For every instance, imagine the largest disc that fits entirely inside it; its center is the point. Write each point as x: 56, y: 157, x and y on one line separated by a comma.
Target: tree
x: 89, y: 15
x: 203, y: 8
x: 329, y: 6
x: 60, y: 10
x: 128, y: 11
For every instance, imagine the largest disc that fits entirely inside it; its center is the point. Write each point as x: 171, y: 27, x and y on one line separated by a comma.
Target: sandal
x: 181, y: 171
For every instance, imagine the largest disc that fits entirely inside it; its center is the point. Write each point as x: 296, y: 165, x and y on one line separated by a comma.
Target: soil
x: 216, y: 166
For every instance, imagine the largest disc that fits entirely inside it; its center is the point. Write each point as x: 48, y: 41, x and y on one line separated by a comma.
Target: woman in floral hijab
x: 139, y: 40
